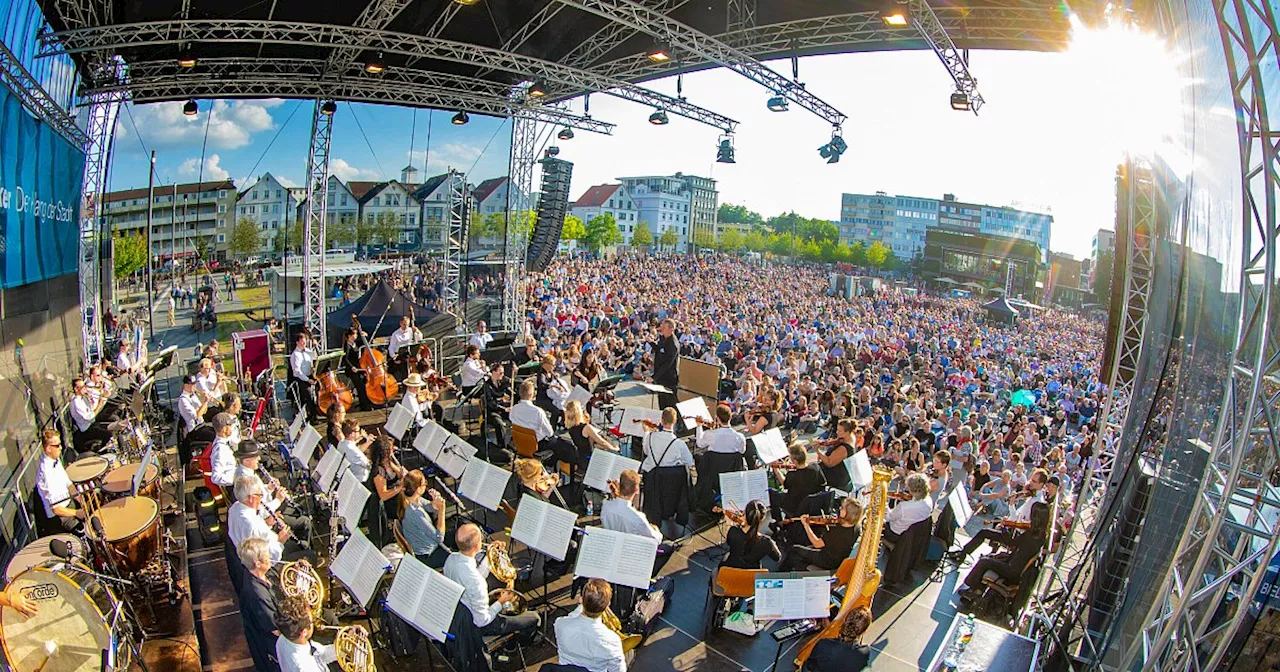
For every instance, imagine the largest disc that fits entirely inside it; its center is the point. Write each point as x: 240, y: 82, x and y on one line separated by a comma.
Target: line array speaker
x: 552, y: 205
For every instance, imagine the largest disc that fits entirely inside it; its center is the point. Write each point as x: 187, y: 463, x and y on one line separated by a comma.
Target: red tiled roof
x: 167, y: 189
x: 596, y: 196
x: 359, y: 189
x: 488, y: 187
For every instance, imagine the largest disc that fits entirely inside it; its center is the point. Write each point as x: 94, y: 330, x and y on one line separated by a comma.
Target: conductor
x: 666, y: 358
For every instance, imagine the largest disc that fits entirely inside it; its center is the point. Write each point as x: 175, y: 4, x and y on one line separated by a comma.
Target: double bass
x: 330, y: 389
x: 379, y: 385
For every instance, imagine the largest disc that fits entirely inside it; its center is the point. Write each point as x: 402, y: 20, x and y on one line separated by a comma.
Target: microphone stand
x: 458, y: 509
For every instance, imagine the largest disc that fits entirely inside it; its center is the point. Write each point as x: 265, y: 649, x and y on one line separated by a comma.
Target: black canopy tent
x: 1000, y: 309
x: 369, y: 309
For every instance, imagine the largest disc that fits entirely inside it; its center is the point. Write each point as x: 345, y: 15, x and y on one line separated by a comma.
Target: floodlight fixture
x: 658, y: 55
x: 186, y: 60
x: 960, y: 101
x: 466, y: 3
x: 328, y: 107
x: 536, y: 90
x: 190, y: 109
x: 659, y: 118
x: 565, y: 133
x: 552, y: 152
x: 896, y: 15
x: 724, y: 154
x: 375, y: 66
x: 460, y: 119
x: 833, y: 150
x: 778, y: 104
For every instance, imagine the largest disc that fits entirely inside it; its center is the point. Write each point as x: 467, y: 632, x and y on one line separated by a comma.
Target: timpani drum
x: 38, y: 552
x: 132, y: 531
x: 86, y: 473
x: 119, y: 481
x: 76, y: 622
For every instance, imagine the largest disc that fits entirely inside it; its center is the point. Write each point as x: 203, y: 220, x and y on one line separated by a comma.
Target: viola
x: 332, y: 390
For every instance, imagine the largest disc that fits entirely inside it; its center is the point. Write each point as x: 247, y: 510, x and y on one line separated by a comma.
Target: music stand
x: 162, y: 359
x: 326, y: 362
x: 141, y: 475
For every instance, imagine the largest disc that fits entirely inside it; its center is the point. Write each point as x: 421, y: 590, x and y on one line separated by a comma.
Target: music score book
x: 960, y: 506
x: 305, y: 445
x: 398, y: 421
x: 616, y: 557
x: 352, y: 496
x: 739, y: 488
x: 544, y: 527
x: 692, y: 409
x: 630, y: 414
x: 770, y: 447
x: 296, y: 426
x: 484, y: 483
x: 580, y: 395
x: 424, y: 597
x: 428, y: 439
x: 859, y: 466
x: 792, y: 596
x: 605, y: 466
x: 327, y: 470
x: 360, y: 566
x: 454, y: 455
x: 655, y: 389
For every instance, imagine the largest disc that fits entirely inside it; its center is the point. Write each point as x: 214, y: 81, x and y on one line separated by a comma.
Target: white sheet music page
x: 484, y: 483
x: 542, y: 526
x: 398, y: 421
x: 635, y: 560
x: 605, y: 466
x: 692, y: 409
x: 770, y: 447
x: 360, y: 566
x: 327, y: 469
x: 960, y: 506
x: 428, y: 440
x: 424, y: 597
x: 859, y: 466
x: 352, y: 496
x: 296, y: 426
x: 596, y: 554
x: 454, y: 455
x: 631, y: 414
x: 655, y: 389
x: 739, y: 488
x: 305, y: 445
x: 616, y: 557
x: 578, y: 394
x: 784, y: 598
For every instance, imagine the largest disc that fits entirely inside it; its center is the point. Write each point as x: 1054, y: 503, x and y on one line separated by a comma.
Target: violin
x: 332, y: 390
x: 735, y: 517
x: 380, y: 386
x: 648, y: 424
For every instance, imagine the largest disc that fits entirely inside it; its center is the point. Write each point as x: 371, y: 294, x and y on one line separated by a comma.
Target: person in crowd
x: 223, y: 458
x: 620, y: 515
x: 802, y: 480
x: 294, y: 649
x: 533, y: 417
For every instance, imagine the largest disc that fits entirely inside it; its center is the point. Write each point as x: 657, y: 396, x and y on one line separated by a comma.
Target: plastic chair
x: 727, y: 583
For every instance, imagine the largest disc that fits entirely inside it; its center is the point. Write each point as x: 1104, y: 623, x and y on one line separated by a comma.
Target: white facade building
x: 664, y: 203
x: 611, y: 199
x: 395, y: 199
x: 269, y: 204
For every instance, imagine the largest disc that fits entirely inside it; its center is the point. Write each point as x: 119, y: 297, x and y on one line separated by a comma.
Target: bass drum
x: 38, y: 552
x: 76, y: 620
x: 132, y: 527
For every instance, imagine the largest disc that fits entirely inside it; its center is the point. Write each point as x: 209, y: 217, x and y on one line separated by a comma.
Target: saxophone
x: 866, y: 578
x: 502, y: 569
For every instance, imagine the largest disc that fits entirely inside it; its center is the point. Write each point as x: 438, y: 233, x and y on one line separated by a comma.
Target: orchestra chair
x: 1002, y: 597
x: 399, y: 536
x: 206, y: 470
x: 901, y: 555
x: 727, y: 583
x: 525, y: 443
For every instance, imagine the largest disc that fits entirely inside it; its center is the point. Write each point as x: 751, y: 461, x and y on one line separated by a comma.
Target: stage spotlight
x: 328, y: 107
x: 960, y: 101
x: 658, y: 55
x: 375, y: 66
x: 565, y: 133
x: 725, y: 152
x: 552, y: 152
x: 896, y: 16
x: 537, y: 90
x: 186, y: 60
x: 778, y: 104
x: 466, y: 3
x: 659, y: 118
x: 834, y: 149
x: 460, y: 119
x: 190, y: 109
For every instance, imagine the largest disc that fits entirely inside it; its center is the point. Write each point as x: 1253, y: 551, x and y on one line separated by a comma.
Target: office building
x: 185, y: 217
x: 683, y: 204
x: 901, y: 222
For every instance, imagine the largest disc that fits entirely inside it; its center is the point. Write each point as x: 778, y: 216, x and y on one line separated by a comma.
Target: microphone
x: 96, y: 523
x: 61, y: 548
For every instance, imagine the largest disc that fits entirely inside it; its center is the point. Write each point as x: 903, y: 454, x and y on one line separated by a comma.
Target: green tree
x: 783, y: 245
x: 1102, y: 278
x: 574, y: 229
x: 642, y: 236
x: 877, y: 254
x: 737, y: 214
x: 204, y: 247
x: 731, y: 240
x: 819, y: 230
x: 289, y: 238
x: 130, y: 254
x: 602, y: 232
x: 246, y: 238
x: 858, y: 254
x: 386, y: 229
x: 756, y: 242
x: 704, y: 238
x: 668, y: 239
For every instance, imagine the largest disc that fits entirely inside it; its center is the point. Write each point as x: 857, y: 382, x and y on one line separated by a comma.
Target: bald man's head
x: 469, y: 538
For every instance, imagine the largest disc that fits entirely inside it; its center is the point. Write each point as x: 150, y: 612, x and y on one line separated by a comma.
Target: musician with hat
x: 416, y: 400
x: 249, y: 462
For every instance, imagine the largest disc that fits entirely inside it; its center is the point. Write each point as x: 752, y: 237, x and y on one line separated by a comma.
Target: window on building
x: 344, y: 199
x: 222, y: 193
x: 413, y: 220
x: 279, y: 193
x: 222, y: 238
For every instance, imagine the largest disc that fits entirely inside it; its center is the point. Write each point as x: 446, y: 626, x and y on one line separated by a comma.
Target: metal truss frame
x: 378, y: 14
x: 37, y: 100
x: 313, y: 228
x: 953, y: 59
x: 613, y: 34
x: 84, y: 13
x: 741, y: 15
x: 1228, y: 541
x: 455, y: 246
x: 134, y: 35
x: 687, y: 40
x: 524, y: 150
x: 103, y: 109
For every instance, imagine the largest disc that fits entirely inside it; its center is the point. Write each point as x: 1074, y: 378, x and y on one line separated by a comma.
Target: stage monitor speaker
x: 552, y: 205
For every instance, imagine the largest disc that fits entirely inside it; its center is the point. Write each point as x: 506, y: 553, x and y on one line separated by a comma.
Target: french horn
x: 354, y: 652
x: 502, y: 569
x: 299, y: 579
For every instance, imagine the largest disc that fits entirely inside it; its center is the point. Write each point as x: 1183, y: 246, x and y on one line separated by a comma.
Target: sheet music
x: 429, y: 439
x: 617, y: 557
x: 454, y: 456
x: 692, y: 409
x: 305, y: 445
x: 580, y: 395
x: 424, y: 597
x: 398, y: 421
x: 484, y: 483
x: 327, y: 469
x: 782, y: 597
x: 859, y: 466
x: 960, y: 506
x: 770, y: 447
x: 605, y: 466
x: 543, y: 526
x: 631, y: 413
x: 360, y: 566
x: 296, y: 426
x: 656, y: 389
x: 739, y: 488
x: 352, y: 496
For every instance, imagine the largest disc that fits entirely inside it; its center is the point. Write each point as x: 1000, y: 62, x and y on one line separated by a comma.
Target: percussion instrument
x: 77, y: 621
x: 86, y: 473
x: 132, y: 530
x: 37, y: 552
x: 119, y: 481
x: 133, y: 442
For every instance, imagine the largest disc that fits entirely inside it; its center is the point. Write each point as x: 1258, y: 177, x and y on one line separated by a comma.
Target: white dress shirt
x: 309, y: 657
x: 420, y: 411
x: 124, y: 362
x: 656, y: 448
x: 244, y: 522
x: 473, y: 372
x: 209, y: 384
x: 399, y: 339
x: 475, y: 592
x: 188, y: 407
x: 357, y: 462
x: 906, y: 514
x: 1023, y: 513
x: 223, y: 463
x: 722, y: 440
x: 302, y: 361
x: 526, y: 414
x: 480, y: 340
x: 53, y: 484
x: 589, y: 643
x: 82, y: 411
x: 619, y: 515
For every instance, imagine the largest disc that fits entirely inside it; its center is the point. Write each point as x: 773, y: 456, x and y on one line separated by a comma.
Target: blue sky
x: 1034, y: 144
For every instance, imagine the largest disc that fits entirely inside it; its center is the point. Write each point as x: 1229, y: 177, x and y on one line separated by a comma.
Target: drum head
x: 37, y: 552
x: 120, y: 479
x: 123, y: 518
x: 67, y: 617
x: 87, y: 469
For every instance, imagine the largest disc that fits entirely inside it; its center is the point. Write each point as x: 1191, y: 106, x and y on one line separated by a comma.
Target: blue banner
x: 1269, y: 592
x: 40, y: 176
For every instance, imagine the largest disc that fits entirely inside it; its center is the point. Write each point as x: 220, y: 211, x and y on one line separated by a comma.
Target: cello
x: 379, y: 386
x: 330, y: 389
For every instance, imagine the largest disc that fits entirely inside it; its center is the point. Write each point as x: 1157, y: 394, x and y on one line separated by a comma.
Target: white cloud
x: 230, y: 124
x: 347, y: 172
x: 286, y: 182
x: 448, y: 155
x: 212, y: 171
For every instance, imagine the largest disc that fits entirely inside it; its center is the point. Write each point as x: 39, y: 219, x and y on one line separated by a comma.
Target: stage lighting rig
x: 328, y: 107
x: 834, y: 149
x: 375, y: 66
x: 537, y: 90
x: 896, y: 15
x: 186, y: 60
x: 460, y: 119
x: 659, y: 118
x: 552, y: 152
x: 778, y: 104
x: 565, y: 133
x: 725, y: 152
x: 190, y: 109
x: 658, y: 55
x: 960, y: 101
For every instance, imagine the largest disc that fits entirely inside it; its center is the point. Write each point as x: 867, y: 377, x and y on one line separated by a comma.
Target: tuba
x: 504, y: 571
x: 354, y: 652
x: 300, y: 579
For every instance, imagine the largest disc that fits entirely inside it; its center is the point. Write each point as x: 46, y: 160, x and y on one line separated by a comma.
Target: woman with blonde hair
x: 583, y: 434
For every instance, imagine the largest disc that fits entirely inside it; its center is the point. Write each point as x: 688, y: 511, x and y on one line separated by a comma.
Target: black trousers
x: 1003, y: 538
x: 91, y: 439
x: 800, y: 557
x: 307, y: 397
x: 561, y: 450
x: 988, y: 563
x: 525, y: 624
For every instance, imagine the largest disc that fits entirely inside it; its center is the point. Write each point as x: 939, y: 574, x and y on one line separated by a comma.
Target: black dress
x: 838, y: 476
x: 578, y: 435
x: 799, y: 485
x: 747, y: 554
x: 833, y: 655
